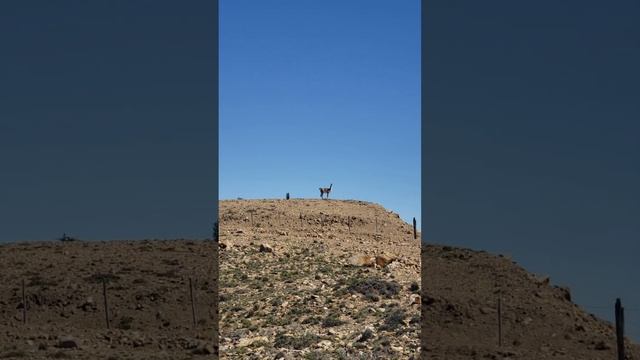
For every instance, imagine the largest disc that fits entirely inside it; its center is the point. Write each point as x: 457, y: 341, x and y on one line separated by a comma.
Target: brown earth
x: 289, y: 289
x: 539, y: 320
x: 317, y: 279
x: 147, y: 295
x: 314, y: 279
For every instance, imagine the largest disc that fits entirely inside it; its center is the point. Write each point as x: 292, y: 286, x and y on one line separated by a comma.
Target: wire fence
x: 104, y: 299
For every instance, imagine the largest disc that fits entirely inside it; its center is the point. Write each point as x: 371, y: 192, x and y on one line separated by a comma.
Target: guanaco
x: 325, y: 191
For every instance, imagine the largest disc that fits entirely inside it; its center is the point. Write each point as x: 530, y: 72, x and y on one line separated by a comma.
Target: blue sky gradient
x: 321, y: 92
x: 107, y: 119
x: 531, y: 136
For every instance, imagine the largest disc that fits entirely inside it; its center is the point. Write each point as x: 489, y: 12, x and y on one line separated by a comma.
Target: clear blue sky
x: 107, y: 119
x: 321, y: 92
x: 531, y: 135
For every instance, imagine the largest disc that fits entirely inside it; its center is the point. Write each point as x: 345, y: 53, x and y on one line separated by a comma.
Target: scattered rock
x: 414, y: 299
x: 543, y: 281
x: 362, y: 260
x: 68, y: 342
x: 486, y: 310
x: 601, y: 345
x: 394, y: 265
x: 249, y: 341
x: 266, y: 248
x: 565, y: 293
x: 367, y: 334
x: 89, y: 305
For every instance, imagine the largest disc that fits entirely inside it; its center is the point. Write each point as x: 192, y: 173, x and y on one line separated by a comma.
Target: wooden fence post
x: 193, y: 305
x: 104, y: 295
x: 24, y: 305
x: 415, y: 236
x: 620, y: 329
x: 500, y: 319
x: 349, y: 224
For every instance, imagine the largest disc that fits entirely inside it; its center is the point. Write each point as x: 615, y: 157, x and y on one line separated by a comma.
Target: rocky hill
x: 539, y: 320
x: 317, y: 279
x: 298, y: 279
x: 148, y: 299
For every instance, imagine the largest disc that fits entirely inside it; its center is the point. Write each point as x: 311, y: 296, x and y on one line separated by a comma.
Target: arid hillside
x: 317, y: 279
x: 539, y: 320
x: 296, y: 281
x: 148, y: 298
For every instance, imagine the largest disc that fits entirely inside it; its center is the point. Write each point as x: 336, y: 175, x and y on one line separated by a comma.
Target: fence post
x: 301, y: 220
x: 104, y: 295
x: 415, y: 236
x: 500, y: 319
x: 193, y: 305
x: 376, y: 224
x: 24, y: 305
x: 620, y: 329
x: 349, y: 224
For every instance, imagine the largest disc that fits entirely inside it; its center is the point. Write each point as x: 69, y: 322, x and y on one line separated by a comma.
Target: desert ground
x: 298, y: 281
x: 148, y: 298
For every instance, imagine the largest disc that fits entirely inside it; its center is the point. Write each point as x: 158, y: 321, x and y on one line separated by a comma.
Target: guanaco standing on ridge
x: 325, y: 191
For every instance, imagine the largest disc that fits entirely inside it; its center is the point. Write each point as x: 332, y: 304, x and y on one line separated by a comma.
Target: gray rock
x: 266, y: 248
x: 68, y: 342
x: 88, y: 305
x: 366, y: 335
x: 601, y: 345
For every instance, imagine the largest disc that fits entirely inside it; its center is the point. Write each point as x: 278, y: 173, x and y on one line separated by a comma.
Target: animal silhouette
x: 325, y: 191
